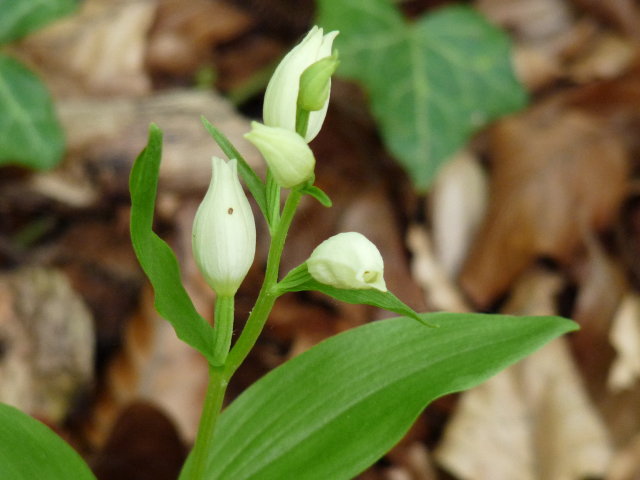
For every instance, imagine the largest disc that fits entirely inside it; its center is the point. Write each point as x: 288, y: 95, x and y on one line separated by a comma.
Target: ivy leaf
x: 22, y: 17
x: 156, y: 257
x: 334, y: 410
x: 431, y: 83
x: 299, y: 280
x: 30, y: 450
x: 30, y: 134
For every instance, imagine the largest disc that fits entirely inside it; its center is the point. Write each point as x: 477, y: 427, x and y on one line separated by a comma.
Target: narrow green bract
x: 431, y: 84
x: 299, y: 280
x: 29, y: 450
x: 334, y: 410
x: 158, y: 261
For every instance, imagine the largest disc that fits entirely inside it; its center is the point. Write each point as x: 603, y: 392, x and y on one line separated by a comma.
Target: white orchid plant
x: 332, y: 411
x: 224, y: 236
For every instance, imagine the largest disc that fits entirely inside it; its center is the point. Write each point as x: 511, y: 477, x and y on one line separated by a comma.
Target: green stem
x: 212, y: 405
x: 223, y: 330
x: 273, y: 202
x: 267, y: 295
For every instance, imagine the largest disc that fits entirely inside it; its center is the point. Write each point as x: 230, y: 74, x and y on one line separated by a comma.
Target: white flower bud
x: 224, y: 231
x: 290, y: 159
x: 281, y: 97
x: 348, y: 260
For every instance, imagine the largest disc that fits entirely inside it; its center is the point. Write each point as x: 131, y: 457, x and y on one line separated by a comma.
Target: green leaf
x: 318, y: 194
x: 20, y: 17
x: 29, y: 450
x: 445, y: 76
x: 299, y: 280
x: 334, y: 410
x: 255, y: 185
x: 156, y: 257
x: 30, y: 134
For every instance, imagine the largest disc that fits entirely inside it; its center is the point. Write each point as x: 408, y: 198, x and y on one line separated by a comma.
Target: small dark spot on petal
x: 230, y: 211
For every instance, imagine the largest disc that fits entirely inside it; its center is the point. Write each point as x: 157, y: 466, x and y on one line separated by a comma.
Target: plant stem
x: 217, y: 386
x: 219, y: 375
x: 212, y: 405
x: 223, y: 329
x: 267, y: 296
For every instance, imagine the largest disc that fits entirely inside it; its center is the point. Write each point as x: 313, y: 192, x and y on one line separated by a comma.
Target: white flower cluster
x: 224, y: 233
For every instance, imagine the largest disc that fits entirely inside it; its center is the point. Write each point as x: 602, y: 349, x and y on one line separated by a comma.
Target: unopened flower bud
x: 290, y: 159
x: 315, y: 83
x: 348, y: 260
x: 281, y: 97
x: 224, y: 231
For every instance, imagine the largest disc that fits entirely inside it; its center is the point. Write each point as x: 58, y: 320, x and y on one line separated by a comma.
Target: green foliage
x: 29, y: 450
x: 156, y: 257
x: 431, y: 83
x: 337, y: 408
x: 299, y: 280
x: 21, y: 17
x: 30, y: 134
x: 318, y: 194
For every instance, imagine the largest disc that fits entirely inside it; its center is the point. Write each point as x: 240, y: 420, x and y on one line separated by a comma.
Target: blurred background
x: 535, y: 210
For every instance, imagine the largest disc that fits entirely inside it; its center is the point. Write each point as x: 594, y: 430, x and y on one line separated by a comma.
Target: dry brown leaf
x: 532, y: 421
x: 154, y: 366
x: 98, y: 259
x: 244, y: 70
x: 626, y: 463
x: 624, y: 14
x: 607, y: 56
x: 555, y: 173
x: 602, y: 285
x: 535, y: 68
x: 534, y: 293
x: 625, y: 338
x: 99, y: 51
x: 46, y: 339
x: 105, y: 136
x: 185, y: 33
x: 531, y: 22
x: 615, y: 101
x: 144, y: 445
x: 412, y: 462
x: 622, y: 415
x: 426, y: 270
x: 302, y: 324
x: 458, y: 201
